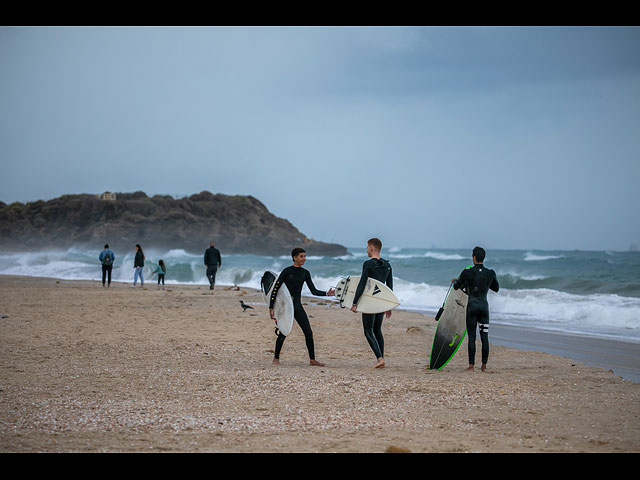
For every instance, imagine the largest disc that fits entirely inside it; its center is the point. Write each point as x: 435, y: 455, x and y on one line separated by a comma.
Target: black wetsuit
x: 294, y: 278
x: 477, y: 281
x: 378, y: 269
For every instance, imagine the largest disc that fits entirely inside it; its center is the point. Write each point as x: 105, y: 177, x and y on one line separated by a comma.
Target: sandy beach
x: 90, y: 369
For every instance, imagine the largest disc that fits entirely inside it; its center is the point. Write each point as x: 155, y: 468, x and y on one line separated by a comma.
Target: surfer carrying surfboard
x: 378, y: 269
x: 476, y: 281
x: 294, y: 277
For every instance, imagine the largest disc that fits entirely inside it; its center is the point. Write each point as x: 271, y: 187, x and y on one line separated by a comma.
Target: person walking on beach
x: 138, y: 265
x: 106, y: 257
x: 378, y: 269
x: 160, y: 270
x: 294, y: 277
x: 213, y: 261
x: 477, y: 281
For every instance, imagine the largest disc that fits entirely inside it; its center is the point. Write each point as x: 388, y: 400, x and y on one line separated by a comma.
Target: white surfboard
x: 283, y: 306
x: 376, y: 298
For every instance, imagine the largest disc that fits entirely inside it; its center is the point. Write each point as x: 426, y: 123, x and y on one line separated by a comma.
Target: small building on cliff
x: 107, y: 196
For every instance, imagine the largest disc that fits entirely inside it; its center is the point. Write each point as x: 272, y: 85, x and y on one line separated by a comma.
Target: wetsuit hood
x: 381, y: 262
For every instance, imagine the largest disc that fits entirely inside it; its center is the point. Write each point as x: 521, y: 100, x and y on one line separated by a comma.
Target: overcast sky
x: 507, y: 137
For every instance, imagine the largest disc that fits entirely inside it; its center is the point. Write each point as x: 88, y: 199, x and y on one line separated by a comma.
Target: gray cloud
x: 513, y: 137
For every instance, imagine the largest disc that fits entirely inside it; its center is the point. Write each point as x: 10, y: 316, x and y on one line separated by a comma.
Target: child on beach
x: 161, y: 271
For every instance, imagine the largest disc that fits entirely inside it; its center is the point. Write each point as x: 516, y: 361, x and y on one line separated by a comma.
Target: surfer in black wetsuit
x: 294, y: 277
x: 477, y: 281
x: 378, y: 269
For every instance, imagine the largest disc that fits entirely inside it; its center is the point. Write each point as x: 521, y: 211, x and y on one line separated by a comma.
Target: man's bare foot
x: 470, y: 369
x: 275, y: 362
x: 380, y: 363
x: 484, y: 367
x: 316, y: 363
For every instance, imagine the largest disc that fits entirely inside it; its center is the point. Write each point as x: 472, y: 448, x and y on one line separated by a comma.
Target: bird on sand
x: 244, y: 306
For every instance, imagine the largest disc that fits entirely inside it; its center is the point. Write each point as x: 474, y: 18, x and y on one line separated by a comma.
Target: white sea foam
x: 181, y: 254
x: 521, y: 276
x: 532, y: 257
x: 540, y: 308
x: 602, y: 314
x: 419, y: 296
x: 434, y: 255
x: 444, y: 256
x: 536, y: 308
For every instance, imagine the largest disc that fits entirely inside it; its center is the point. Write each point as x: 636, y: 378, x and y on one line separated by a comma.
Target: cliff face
x: 237, y: 224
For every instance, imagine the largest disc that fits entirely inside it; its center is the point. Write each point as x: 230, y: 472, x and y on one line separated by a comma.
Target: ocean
x: 593, y: 293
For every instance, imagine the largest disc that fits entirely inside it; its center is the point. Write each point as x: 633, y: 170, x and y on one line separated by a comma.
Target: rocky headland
x: 236, y: 223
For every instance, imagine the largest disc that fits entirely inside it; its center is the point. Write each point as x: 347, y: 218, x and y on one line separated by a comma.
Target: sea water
x: 583, y: 292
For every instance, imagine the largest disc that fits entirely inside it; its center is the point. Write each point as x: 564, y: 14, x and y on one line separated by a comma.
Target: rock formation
x: 236, y: 223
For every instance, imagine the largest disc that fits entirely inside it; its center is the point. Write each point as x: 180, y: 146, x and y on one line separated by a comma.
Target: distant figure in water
x: 477, y: 281
x: 138, y: 265
x: 106, y: 257
x: 213, y: 261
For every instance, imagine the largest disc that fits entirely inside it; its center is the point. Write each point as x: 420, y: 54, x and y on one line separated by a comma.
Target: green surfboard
x: 451, y: 329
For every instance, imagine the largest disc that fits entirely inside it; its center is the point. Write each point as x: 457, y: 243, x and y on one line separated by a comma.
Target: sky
x: 448, y: 137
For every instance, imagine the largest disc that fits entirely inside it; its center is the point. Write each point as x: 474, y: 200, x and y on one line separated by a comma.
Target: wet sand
x: 87, y: 369
x: 622, y: 358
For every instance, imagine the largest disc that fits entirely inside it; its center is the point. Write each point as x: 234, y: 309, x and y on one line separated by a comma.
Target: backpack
x: 107, y: 259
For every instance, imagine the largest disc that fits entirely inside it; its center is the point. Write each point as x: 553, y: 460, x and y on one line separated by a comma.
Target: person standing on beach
x: 138, y: 265
x: 213, y: 261
x: 161, y: 270
x: 477, y: 281
x: 294, y: 277
x: 378, y: 269
x: 106, y: 257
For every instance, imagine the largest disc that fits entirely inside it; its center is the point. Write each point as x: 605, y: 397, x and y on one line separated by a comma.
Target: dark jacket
x: 139, y: 261
x: 212, y: 257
